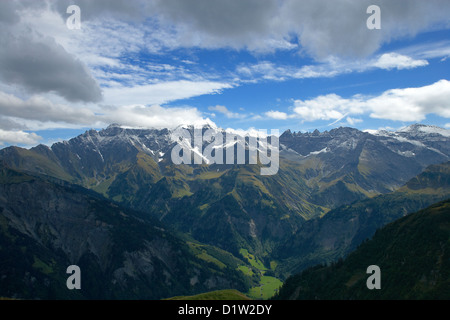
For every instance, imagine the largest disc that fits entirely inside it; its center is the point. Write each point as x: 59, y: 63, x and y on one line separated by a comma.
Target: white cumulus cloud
x: 154, y: 116
x: 407, y: 104
x: 19, y: 137
x: 397, y: 61
x: 161, y: 93
x: 277, y: 115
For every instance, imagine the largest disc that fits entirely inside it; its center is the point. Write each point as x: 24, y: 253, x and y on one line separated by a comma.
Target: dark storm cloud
x: 8, y: 124
x: 339, y: 27
x: 8, y: 14
x: 320, y: 27
x: 232, y: 18
x: 94, y: 9
x: 38, y: 64
x: 41, y: 65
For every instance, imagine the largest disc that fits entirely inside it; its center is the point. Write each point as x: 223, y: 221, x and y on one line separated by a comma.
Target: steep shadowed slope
x: 45, y: 227
x: 413, y: 254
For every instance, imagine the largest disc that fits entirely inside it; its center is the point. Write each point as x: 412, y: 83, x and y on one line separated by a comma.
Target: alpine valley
x: 140, y: 227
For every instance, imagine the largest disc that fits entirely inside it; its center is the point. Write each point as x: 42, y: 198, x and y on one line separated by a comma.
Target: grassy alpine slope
x: 413, y: 254
x: 340, y: 231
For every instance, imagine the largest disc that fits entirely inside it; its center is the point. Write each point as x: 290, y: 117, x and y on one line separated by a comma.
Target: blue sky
x: 263, y: 64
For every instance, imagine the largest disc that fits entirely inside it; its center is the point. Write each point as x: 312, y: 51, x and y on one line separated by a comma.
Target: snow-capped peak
x: 414, y: 130
x: 425, y: 129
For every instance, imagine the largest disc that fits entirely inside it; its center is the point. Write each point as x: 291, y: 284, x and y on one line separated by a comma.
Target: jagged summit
x: 413, y: 141
x: 115, y: 130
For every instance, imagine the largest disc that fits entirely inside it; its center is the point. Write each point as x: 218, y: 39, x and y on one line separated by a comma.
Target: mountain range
x: 136, y: 215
